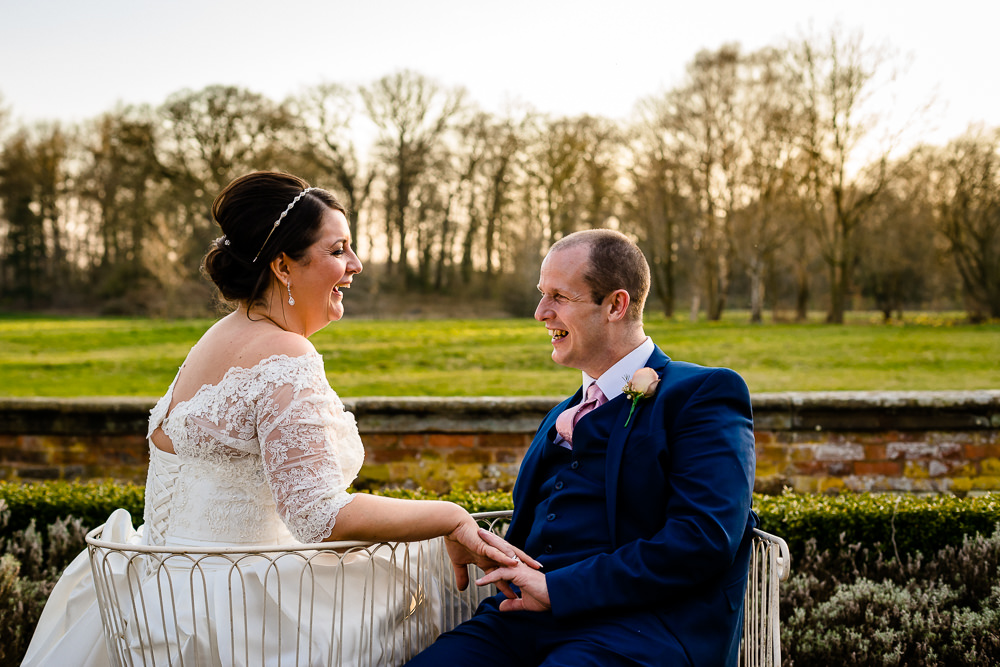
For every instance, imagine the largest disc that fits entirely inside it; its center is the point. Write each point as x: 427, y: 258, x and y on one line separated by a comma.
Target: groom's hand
x: 534, y: 592
x: 523, y: 573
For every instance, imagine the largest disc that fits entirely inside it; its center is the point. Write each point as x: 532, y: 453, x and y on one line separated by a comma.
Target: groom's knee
x: 479, y: 642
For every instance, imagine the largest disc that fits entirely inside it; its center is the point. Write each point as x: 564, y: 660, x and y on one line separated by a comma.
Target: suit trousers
x: 535, y: 639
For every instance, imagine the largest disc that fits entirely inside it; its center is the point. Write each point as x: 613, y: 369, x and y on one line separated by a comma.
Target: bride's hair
x: 246, y: 210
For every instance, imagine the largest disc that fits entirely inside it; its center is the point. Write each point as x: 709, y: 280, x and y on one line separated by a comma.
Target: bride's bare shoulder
x: 245, y: 343
x: 278, y: 342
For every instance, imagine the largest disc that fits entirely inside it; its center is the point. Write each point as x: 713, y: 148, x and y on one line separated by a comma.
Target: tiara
x: 280, y: 218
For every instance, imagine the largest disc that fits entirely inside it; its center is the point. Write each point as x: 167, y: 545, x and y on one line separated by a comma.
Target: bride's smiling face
x: 327, y: 269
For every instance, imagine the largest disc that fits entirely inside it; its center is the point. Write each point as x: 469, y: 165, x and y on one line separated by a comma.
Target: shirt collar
x: 613, y: 379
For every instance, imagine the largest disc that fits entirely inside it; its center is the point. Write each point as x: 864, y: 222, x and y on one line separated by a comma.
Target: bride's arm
x: 369, y: 517
x: 312, y: 452
x: 374, y: 518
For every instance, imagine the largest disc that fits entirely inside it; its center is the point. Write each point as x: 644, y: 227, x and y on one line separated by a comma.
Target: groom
x: 637, y: 504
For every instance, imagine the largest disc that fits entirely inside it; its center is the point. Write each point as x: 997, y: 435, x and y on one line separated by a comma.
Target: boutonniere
x: 642, y: 385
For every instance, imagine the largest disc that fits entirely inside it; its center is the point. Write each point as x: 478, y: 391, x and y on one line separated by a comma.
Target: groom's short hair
x: 615, y: 262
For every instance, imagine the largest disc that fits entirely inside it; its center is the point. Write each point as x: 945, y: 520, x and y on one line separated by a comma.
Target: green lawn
x: 64, y: 356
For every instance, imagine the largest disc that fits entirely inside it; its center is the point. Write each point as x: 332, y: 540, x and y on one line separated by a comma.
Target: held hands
x: 469, y: 544
x: 531, y: 583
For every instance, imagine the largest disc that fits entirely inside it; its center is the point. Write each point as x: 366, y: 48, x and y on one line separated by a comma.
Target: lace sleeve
x: 311, y: 453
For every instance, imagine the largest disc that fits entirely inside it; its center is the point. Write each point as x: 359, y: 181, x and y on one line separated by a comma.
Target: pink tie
x: 566, y: 422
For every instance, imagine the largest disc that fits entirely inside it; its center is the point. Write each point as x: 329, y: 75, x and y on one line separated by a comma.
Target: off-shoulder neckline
x: 232, y: 370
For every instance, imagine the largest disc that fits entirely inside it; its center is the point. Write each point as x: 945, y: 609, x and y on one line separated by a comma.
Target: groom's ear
x: 618, y: 302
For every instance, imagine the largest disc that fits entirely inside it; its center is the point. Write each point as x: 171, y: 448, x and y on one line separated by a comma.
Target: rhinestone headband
x: 280, y: 218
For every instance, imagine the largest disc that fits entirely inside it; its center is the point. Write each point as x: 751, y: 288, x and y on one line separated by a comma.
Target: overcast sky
x: 73, y: 59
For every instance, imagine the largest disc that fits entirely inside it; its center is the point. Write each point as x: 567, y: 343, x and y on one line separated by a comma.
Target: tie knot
x: 567, y: 421
x: 594, y: 393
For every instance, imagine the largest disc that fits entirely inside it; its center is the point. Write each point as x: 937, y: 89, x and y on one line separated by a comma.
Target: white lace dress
x: 264, y: 457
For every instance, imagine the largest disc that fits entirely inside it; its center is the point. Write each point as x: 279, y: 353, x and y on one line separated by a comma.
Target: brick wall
x: 812, y: 442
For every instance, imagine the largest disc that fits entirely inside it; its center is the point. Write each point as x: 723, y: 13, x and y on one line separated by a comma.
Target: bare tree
x: 122, y: 179
x: 22, y: 269
x: 120, y: 167
x: 658, y: 206
x: 555, y: 167
x: 209, y: 137
x: 764, y: 171
x: 897, y: 255
x: 412, y: 114
x: 459, y: 167
x: 32, y: 181
x: 837, y: 76
x: 323, y: 115
x: 968, y: 192
x: 504, y: 141
x: 604, y: 145
x: 703, y: 121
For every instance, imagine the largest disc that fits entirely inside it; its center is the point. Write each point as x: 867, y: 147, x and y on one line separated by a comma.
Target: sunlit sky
x: 70, y: 60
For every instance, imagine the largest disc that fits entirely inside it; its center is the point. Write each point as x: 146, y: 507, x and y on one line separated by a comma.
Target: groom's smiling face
x: 578, y: 326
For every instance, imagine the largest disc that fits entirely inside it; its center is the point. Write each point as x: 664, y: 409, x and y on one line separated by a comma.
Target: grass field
x: 63, y: 356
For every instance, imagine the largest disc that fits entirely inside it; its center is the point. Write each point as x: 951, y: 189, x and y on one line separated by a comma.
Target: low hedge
x: 891, y: 524
x: 898, y: 525
x: 45, y: 503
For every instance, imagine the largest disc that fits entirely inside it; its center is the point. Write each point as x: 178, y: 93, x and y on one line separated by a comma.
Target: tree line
x: 763, y: 180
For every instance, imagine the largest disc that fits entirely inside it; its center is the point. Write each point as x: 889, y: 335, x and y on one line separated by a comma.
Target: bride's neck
x: 270, y: 315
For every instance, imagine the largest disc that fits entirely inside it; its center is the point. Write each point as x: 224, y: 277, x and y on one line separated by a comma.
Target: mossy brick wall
x: 921, y: 442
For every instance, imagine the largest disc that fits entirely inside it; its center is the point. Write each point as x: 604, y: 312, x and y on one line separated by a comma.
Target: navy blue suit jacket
x: 679, y: 479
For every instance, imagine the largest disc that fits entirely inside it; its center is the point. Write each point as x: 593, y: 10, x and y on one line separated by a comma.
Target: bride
x: 250, y: 445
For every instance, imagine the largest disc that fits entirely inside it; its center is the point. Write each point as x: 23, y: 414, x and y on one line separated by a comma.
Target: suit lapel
x: 619, y: 436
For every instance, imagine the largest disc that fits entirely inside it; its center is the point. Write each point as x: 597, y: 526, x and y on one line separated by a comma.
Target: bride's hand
x: 470, y: 544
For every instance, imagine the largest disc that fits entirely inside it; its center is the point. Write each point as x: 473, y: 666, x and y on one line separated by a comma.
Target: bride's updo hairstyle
x: 246, y: 210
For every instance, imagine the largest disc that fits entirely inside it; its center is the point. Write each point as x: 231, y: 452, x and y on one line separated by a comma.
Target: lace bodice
x: 267, y: 451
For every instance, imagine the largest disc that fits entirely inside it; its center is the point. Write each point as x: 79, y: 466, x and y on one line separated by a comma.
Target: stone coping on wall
x: 877, y: 410
x: 787, y: 411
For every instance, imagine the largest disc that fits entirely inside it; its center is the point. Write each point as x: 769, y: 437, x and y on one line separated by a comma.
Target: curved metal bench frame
x: 132, y: 616
x: 120, y: 570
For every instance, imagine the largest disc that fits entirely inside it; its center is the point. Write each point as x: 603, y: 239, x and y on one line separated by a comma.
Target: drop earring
x: 291, y: 301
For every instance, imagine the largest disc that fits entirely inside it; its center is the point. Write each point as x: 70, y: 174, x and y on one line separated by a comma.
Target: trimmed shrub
x: 898, y: 525
x: 851, y: 606
x: 21, y: 602
x: 472, y: 501
x: 90, y: 502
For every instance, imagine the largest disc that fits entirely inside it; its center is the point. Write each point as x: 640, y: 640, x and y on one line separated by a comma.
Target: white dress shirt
x: 613, y: 380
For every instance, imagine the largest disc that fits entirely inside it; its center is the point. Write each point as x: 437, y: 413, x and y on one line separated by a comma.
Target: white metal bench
x: 153, y: 602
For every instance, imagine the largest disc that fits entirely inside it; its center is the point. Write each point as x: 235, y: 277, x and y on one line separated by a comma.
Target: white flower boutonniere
x: 642, y: 385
